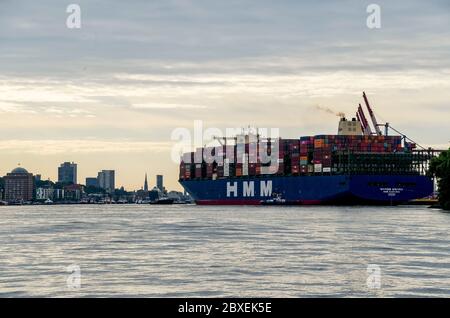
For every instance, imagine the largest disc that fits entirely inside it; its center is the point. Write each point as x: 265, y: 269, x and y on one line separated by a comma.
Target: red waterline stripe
x: 310, y: 202
x: 250, y: 202
x: 228, y: 202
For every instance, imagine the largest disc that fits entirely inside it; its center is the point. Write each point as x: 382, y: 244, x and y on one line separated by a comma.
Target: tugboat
x: 277, y: 199
x: 163, y: 200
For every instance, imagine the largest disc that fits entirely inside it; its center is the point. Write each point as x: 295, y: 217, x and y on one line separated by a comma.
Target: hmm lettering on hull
x: 248, y: 189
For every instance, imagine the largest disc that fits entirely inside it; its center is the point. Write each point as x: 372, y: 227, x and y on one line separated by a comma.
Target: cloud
x: 12, y: 107
x: 79, y: 146
x: 120, y: 36
x: 167, y: 106
x: 164, y: 91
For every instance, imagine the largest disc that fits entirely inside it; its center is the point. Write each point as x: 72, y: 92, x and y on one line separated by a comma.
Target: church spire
x: 145, y: 183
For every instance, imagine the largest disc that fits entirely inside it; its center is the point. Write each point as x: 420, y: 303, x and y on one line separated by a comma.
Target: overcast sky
x: 108, y: 95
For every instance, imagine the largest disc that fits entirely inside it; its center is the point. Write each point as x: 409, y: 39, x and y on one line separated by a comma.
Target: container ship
x: 362, y: 164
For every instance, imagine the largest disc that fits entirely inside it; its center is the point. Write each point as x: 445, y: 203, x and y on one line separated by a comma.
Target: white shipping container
x: 198, y: 156
x: 187, y: 157
x: 245, y: 166
x: 318, y: 167
x: 226, y: 169
x: 241, y: 158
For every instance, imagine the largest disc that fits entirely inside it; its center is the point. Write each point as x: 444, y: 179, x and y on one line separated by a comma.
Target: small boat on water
x: 163, y: 200
x: 275, y: 200
x: 17, y: 203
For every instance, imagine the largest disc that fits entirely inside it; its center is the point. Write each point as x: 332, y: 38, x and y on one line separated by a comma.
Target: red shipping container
x: 219, y: 171
x: 209, y: 170
x: 258, y: 169
x: 303, y: 169
x: 281, y: 168
x: 277, y: 170
x: 198, y: 172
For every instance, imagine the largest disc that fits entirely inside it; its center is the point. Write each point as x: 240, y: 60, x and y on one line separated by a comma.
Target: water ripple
x: 195, y: 251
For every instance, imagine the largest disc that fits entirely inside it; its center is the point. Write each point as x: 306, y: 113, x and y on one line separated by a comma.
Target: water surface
x: 195, y: 251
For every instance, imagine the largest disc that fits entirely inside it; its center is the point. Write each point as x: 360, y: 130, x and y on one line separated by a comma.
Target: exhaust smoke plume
x: 329, y: 110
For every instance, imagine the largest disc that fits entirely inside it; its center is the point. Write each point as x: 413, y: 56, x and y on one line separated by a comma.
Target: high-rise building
x: 67, y: 173
x: 106, y: 180
x: 19, y: 185
x: 159, y: 182
x: 91, y: 182
x: 145, y: 183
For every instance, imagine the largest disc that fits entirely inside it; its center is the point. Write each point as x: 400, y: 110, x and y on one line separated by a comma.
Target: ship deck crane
x: 372, y: 116
x: 360, y: 121
x: 224, y: 144
x: 219, y: 139
x: 367, y: 129
x: 235, y: 139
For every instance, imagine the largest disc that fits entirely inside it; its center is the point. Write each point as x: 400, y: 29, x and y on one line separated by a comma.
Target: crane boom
x: 367, y: 129
x: 362, y: 125
x: 372, y: 116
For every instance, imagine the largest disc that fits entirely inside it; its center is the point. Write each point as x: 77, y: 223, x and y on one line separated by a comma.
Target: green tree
x: 43, y: 183
x: 440, y: 168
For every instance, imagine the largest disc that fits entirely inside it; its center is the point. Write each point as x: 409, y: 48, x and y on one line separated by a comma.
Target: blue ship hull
x: 333, y: 189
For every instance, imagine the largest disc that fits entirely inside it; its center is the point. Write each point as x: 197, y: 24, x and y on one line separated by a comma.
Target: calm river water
x: 195, y: 251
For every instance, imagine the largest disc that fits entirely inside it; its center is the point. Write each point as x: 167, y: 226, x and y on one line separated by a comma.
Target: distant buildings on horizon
x: 159, y: 182
x: 145, y: 183
x: 67, y: 173
x: 106, y: 180
x: 91, y: 182
x: 21, y: 186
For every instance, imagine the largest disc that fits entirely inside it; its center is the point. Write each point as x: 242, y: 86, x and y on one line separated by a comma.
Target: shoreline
x: 430, y: 205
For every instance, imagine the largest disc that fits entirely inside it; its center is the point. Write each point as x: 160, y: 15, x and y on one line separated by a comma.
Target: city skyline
x: 20, y: 186
x: 89, y: 180
x: 110, y: 93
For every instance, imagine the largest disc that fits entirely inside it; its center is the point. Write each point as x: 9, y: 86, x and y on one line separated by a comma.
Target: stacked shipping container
x: 307, y: 155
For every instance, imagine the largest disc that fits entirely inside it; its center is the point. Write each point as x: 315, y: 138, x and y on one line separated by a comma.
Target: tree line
x: 440, y: 168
